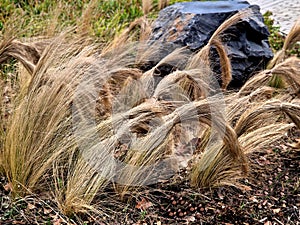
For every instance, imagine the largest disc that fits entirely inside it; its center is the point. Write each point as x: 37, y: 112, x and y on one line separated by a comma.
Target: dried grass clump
x: 28, y: 55
x: 2, y: 128
x: 147, y: 6
x: 140, y: 29
x: 89, y: 118
x: 203, y: 54
x: 292, y: 38
x: 288, y: 70
x: 39, y: 149
x: 260, y: 116
x: 162, y: 4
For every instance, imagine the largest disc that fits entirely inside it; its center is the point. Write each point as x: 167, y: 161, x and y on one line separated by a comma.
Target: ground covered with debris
x: 270, y: 196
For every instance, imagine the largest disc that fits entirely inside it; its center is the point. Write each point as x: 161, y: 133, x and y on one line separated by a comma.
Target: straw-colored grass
x: 162, y: 4
x: 292, y: 38
x: 288, y: 71
x: 215, y: 40
x: 87, y: 118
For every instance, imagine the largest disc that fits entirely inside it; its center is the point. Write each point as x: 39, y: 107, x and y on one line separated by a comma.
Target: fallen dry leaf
x: 47, y: 211
x: 253, y: 199
x: 30, y: 206
x: 8, y: 187
x: 57, y: 222
x: 276, y: 210
x: 143, y: 204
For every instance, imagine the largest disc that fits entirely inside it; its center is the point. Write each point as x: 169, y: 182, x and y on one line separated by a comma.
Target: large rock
x: 192, y: 24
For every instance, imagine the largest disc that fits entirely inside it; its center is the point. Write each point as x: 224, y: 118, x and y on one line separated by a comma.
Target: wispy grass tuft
x: 292, y: 38
x: 203, y: 54
x: 288, y: 71
x: 88, y: 118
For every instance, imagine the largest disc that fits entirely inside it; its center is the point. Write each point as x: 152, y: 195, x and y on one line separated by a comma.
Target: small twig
x: 278, y: 221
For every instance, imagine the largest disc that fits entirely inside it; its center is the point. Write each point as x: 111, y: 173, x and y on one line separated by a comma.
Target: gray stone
x: 191, y: 24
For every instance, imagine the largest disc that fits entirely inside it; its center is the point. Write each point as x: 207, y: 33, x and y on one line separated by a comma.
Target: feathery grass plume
x: 288, y: 70
x: 84, y: 22
x: 292, y: 38
x: 256, y: 117
x: 225, y: 63
x: 131, y: 34
x: 203, y: 54
x: 221, y: 162
x: 28, y: 55
x: 184, y: 86
x: 236, y: 104
x: 47, y: 137
x: 162, y: 4
x: 215, y: 168
x: 260, y: 116
x: 258, y: 80
x: 147, y: 6
x: 256, y: 122
x: 35, y: 132
x: 267, y: 135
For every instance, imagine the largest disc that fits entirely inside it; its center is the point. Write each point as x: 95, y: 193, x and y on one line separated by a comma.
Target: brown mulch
x: 272, y: 198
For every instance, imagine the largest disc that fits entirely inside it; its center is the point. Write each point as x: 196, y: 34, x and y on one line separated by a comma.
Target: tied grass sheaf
x: 146, y: 123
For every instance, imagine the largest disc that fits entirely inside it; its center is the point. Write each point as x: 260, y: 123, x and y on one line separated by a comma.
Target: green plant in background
x: 102, y: 19
x: 143, y: 214
x: 113, y: 16
x: 277, y: 38
x: 277, y: 42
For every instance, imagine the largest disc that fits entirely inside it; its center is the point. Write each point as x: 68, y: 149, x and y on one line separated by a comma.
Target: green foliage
x: 32, y: 18
x: 276, y: 41
x: 276, y: 82
x: 106, y: 19
x: 8, y: 68
x: 113, y: 16
x: 277, y: 38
